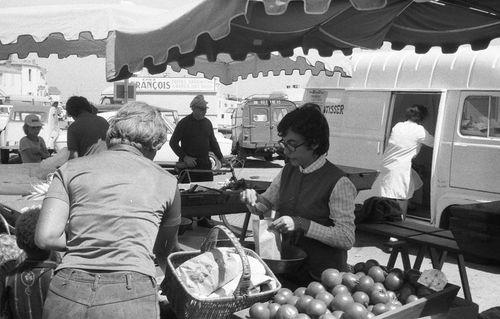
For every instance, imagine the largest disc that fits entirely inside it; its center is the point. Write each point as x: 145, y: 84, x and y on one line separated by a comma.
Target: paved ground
x: 484, y: 279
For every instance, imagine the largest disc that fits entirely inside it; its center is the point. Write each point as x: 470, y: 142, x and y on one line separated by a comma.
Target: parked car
x: 166, y: 156
x: 254, y: 126
x: 13, y: 132
x: 4, y: 115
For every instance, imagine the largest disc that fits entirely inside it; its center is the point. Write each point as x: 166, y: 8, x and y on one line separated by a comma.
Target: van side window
x: 481, y: 116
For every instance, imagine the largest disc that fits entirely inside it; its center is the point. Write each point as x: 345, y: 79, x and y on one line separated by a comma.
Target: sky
x: 86, y: 77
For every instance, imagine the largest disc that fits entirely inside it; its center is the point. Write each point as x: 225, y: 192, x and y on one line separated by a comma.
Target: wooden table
x: 436, y: 241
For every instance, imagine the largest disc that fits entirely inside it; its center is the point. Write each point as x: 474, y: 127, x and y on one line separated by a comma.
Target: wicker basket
x: 187, y: 306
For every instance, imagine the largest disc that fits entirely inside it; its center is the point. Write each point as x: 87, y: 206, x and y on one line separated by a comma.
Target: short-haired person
x: 397, y: 180
x: 87, y: 134
x: 24, y: 282
x: 111, y: 213
x: 32, y: 147
x: 192, y: 140
x: 313, y: 199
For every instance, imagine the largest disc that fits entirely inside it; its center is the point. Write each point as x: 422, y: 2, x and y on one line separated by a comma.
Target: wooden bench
x: 436, y: 241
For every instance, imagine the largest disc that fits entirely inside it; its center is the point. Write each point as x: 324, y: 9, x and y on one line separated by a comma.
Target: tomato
x: 339, y: 289
x: 328, y: 316
x: 316, y: 308
x: 380, y: 308
x: 361, y: 297
x: 302, y: 302
x: 302, y: 316
x: 370, y: 315
x: 259, y: 310
x: 280, y: 299
x: 365, y: 284
x: 285, y: 291
x: 376, y: 273
x: 360, y: 274
x: 405, y: 291
x: 355, y: 311
x: 369, y: 264
x: 411, y: 298
x: 393, y: 305
x: 286, y: 312
x: 412, y: 275
x: 350, y: 280
x: 341, y: 301
x: 313, y: 288
x: 392, y: 295
x: 378, y: 286
x: 273, y: 309
x: 292, y: 300
x: 331, y: 277
x: 394, y: 281
x: 359, y: 267
x: 325, y: 296
x: 379, y: 296
x: 300, y: 291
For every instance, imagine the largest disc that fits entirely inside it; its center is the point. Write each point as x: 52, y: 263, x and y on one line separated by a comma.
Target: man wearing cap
x: 32, y: 147
x: 196, y: 136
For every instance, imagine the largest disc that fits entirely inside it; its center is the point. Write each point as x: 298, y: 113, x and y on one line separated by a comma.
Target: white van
x: 462, y: 94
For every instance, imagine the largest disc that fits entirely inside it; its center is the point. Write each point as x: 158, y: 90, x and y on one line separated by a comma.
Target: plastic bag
x: 267, y: 240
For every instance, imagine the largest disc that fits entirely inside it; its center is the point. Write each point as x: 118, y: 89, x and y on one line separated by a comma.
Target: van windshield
x: 19, y: 116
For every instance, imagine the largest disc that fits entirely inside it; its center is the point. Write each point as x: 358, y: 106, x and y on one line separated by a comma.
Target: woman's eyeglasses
x: 290, y: 147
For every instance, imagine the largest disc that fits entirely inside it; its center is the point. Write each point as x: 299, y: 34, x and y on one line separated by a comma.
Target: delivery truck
x: 462, y: 94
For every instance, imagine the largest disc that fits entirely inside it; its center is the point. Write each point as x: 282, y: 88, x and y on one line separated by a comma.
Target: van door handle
x: 249, y: 126
x: 378, y: 148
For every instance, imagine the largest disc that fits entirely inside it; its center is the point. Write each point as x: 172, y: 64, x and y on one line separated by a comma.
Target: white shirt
x: 396, y: 179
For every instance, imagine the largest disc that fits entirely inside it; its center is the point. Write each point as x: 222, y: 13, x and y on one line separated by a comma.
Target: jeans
x: 79, y: 294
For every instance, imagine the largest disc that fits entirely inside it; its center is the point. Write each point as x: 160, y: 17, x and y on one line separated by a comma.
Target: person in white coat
x: 397, y: 179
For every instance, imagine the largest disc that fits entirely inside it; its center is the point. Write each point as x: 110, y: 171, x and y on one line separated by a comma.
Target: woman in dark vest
x: 313, y: 199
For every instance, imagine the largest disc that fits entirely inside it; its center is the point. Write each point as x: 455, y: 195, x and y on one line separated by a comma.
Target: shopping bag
x: 267, y: 239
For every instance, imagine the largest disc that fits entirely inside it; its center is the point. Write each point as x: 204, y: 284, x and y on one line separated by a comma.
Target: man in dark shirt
x: 87, y: 134
x: 196, y: 136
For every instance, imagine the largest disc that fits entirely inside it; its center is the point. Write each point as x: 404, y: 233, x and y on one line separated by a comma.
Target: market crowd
x: 111, y: 213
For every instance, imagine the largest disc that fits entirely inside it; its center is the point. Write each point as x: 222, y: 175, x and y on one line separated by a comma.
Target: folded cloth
x: 205, y: 273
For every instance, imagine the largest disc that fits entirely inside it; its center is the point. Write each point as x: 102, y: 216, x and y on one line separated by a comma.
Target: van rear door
x: 259, y: 118
x: 358, y: 121
x: 476, y: 146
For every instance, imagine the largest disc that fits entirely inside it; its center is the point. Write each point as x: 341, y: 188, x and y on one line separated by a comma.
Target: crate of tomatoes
x: 369, y: 291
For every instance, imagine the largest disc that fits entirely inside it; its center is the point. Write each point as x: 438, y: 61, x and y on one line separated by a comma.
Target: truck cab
x: 254, y: 126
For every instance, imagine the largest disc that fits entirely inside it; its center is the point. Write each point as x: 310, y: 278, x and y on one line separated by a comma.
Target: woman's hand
x: 249, y: 197
x: 284, y: 224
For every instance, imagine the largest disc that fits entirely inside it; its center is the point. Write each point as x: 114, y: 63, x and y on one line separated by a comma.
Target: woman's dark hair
x: 310, y: 124
x: 25, y: 233
x: 76, y: 105
x: 416, y: 113
x: 312, y: 105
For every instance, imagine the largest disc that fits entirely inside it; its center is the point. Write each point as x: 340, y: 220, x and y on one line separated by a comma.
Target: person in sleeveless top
x: 313, y: 200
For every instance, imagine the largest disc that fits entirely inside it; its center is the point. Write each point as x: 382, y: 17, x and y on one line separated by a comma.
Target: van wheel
x: 215, y: 164
x: 4, y: 156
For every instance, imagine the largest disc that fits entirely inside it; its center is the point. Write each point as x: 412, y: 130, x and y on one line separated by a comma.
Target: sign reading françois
x: 163, y: 84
